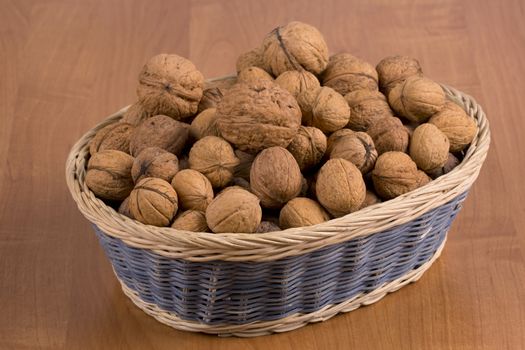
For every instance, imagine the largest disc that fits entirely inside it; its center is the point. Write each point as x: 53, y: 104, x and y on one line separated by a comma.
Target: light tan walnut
x: 153, y: 202
x: 394, y: 174
x: 458, y: 127
x: 193, y: 189
x: 109, y: 174
x: 346, y: 73
x: 300, y: 212
x: 429, y: 147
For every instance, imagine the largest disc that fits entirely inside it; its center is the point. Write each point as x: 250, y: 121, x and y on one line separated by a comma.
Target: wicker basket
x: 255, y: 284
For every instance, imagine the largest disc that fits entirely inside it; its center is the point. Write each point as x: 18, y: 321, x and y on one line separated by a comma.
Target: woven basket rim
x: 200, y: 246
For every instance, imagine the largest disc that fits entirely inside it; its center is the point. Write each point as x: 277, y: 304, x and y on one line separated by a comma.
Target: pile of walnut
x: 295, y: 139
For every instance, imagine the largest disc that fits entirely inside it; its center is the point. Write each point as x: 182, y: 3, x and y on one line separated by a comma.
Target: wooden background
x: 65, y: 65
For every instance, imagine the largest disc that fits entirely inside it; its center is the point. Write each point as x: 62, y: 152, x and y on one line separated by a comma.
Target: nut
x: 154, y: 162
x: 214, y: 157
x: 345, y: 73
x: 191, y: 220
x: 258, y: 115
x: 193, y: 189
x: 294, y: 46
x: 417, y: 98
x: 301, y: 212
x: 234, y: 210
x: 205, y: 124
x: 245, y: 164
x: 429, y: 147
x: 210, y: 98
x: 308, y: 147
x: 395, y: 70
x: 252, y: 58
x: 297, y: 82
x: 389, y: 135
x: 159, y: 131
x: 422, y: 178
x: 252, y: 75
x: 394, y: 174
x: 109, y: 174
x: 135, y: 114
x: 170, y: 85
x: 330, y: 112
x: 370, y: 199
x: 153, y: 202
x: 124, y: 208
x: 267, y: 226
x: 275, y: 177
x: 333, y: 138
x: 450, y: 164
x: 458, y: 127
x: 366, y: 107
x: 114, y: 136
x: 340, y: 187
x: 357, y: 148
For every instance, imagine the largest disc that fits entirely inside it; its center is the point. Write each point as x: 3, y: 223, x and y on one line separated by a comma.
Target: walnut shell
x: 170, y: 85
x: 301, y: 212
x: 429, y: 147
x: 370, y: 199
x: 235, y: 210
x: 308, y: 147
x: 109, y: 174
x: 252, y: 58
x: 275, y: 177
x: 245, y: 164
x: 267, y: 226
x: 252, y: 75
x: 191, y: 220
x: 357, y: 148
x: 135, y: 114
x: 297, y: 82
x: 389, y: 135
x: 330, y: 112
x: 153, y: 202
x: 210, y: 98
x: 193, y: 189
x: 114, y: 136
x: 214, y: 157
x: 459, y: 128
x: 422, y: 178
x: 154, y: 162
x: 394, y: 174
x: 417, y: 98
x: 450, y: 164
x: 340, y: 187
x: 345, y: 73
x: 258, y: 115
x: 159, y: 131
x: 366, y: 107
x: 334, y: 137
x: 294, y: 46
x: 395, y: 70
x: 205, y: 124
x: 124, y: 208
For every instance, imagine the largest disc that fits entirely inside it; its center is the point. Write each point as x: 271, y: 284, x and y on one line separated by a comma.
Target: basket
x: 255, y: 284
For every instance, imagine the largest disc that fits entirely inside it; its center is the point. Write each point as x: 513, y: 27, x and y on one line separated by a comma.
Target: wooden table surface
x: 65, y: 65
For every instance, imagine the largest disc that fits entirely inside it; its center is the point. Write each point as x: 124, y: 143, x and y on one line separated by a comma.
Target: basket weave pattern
x: 252, y: 284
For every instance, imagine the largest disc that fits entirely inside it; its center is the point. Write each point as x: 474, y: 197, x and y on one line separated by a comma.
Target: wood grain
x: 65, y: 65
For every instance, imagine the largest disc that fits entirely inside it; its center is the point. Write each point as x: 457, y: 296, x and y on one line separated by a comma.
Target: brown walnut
x: 210, y: 98
x: 334, y: 137
x: 135, y: 114
x: 245, y: 164
x: 429, y: 147
x: 330, y: 112
x: 109, y: 174
x: 458, y: 127
x: 191, y: 220
x: 366, y: 108
x: 252, y: 58
x: 153, y: 202
x: 357, y: 148
x: 395, y: 70
x: 114, y: 136
x: 451, y: 163
x: 267, y: 226
x: 193, y: 189
x: 159, y: 131
x: 154, y: 162
x: 370, y: 199
x: 124, y: 208
x: 389, y: 135
x: 301, y: 212
x: 253, y: 74
x: 308, y: 147
x: 346, y: 73
x: 205, y: 124
x: 394, y: 174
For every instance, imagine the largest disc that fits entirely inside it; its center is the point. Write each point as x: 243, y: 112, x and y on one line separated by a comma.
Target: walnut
x: 301, y: 212
x: 235, y: 210
x: 114, y: 136
x: 395, y: 70
x: 210, y: 98
x: 252, y: 75
x: 170, y: 85
x: 429, y: 147
x: 159, y: 131
x: 422, y: 178
x: 267, y: 226
x: 193, y: 189
x: 366, y: 107
x: 154, y: 162
x: 294, y: 46
x: 450, y: 164
x: 370, y: 199
x: 410, y: 128
x: 205, y: 124
x: 333, y: 138
x: 394, y: 174
x: 330, y: 112
x: 340, y: 187
x: 308, y: 147
x: 297, y: 82
x: 184, y: 162
x: 389, y: 135
x: 135, y: 114
x: 191, y: 220
x: 245, y: 164
x: 214, y: 157
x: 417, y: 98
x: 258, y: 115
x: 153, y: 202
x: 109, y: 174
x: 252, y: 58
x: 459, y: 128
x: 275, y: 177
x: 357, y: 148
x: 345, y: 73
x: 124, y: 208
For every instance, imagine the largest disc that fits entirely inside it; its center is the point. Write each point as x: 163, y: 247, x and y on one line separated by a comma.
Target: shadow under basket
x: 256, y: 284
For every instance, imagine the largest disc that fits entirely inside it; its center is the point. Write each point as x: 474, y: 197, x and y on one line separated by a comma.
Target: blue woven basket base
x: 222, y: 292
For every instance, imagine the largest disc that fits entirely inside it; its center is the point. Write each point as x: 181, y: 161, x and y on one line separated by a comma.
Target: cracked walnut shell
x: 109, y: 174
x: 153, y: 202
